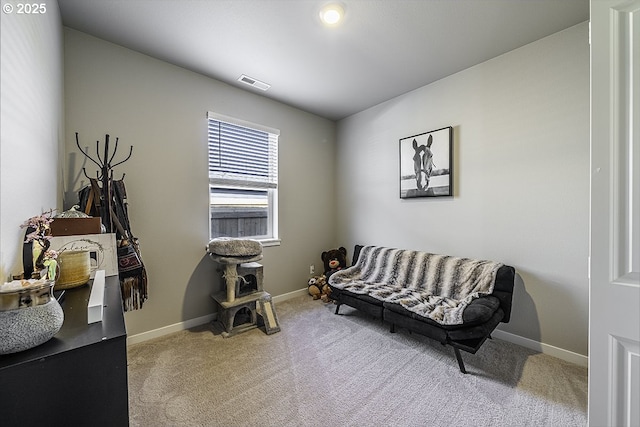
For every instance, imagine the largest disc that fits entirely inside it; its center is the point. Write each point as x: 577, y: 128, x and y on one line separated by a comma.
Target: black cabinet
x: 79, y: 377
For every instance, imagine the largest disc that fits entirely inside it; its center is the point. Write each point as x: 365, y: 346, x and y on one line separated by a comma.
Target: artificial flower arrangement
x: 41, y: 236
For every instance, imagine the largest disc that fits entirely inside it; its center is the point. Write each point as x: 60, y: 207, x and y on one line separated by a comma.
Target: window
x: 243, y: 179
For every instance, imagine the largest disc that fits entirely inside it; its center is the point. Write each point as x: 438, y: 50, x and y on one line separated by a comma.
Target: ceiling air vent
x: 253, y: 82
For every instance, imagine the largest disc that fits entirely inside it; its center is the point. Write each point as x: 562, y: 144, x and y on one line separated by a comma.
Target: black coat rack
x: 105, y: 176
x: 109, y: 199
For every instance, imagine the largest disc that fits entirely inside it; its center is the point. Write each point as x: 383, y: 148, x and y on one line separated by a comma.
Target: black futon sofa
x: 456, y: 301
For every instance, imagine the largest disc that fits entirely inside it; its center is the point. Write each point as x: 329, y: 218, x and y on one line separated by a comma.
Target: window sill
x: 269, y: 242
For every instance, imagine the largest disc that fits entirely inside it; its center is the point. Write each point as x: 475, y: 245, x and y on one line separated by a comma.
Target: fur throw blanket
x: 438, y: 287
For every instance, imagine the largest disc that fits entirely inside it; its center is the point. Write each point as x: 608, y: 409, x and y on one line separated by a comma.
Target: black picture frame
x: 426, y: 164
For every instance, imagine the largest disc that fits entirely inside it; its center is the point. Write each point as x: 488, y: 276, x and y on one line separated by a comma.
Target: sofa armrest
x: 480, y: 310
x: 503, y: 289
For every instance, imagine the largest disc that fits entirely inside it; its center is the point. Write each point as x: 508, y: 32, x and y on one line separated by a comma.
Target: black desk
x: 79, y: 377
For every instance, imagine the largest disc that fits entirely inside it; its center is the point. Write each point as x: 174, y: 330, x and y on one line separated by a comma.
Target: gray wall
x: 32, y: 131
x: 521, y: 159
x: 161, y: 109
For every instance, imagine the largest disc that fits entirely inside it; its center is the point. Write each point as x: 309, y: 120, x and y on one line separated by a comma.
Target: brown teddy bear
x: 316, y: 286
x: 334, y: 260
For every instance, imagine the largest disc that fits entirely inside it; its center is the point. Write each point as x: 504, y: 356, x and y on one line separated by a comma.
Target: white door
x: 614, y: 307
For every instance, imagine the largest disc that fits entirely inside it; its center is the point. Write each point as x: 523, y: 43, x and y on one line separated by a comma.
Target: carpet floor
x: 346, y: 370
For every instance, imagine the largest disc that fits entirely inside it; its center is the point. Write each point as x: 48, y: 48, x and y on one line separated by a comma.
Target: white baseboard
x: 192, y: 323
x: 169, y: 329
x: 560, y: 353
x: 290, y: 295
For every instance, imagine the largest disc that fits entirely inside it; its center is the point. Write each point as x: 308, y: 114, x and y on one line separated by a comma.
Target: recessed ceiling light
x: 331, y: 14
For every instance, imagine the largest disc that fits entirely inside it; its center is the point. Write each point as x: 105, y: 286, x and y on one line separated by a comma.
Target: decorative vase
x: 75, y: 269
x: 29, y: 316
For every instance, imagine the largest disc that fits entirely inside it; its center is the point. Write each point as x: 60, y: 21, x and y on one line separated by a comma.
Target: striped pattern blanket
x: 438, y: 287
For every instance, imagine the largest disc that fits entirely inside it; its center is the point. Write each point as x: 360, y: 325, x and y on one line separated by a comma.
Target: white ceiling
x: 382, y: 49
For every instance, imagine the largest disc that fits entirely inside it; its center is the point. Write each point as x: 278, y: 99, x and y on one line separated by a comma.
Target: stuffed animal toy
x: 326, y: 294
x: 316, y: 285
x: 334, y: 260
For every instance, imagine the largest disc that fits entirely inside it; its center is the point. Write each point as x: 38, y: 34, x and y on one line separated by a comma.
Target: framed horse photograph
x: 426, y: 164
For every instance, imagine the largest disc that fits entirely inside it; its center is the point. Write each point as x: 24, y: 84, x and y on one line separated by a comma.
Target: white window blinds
x: 241, y: 153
